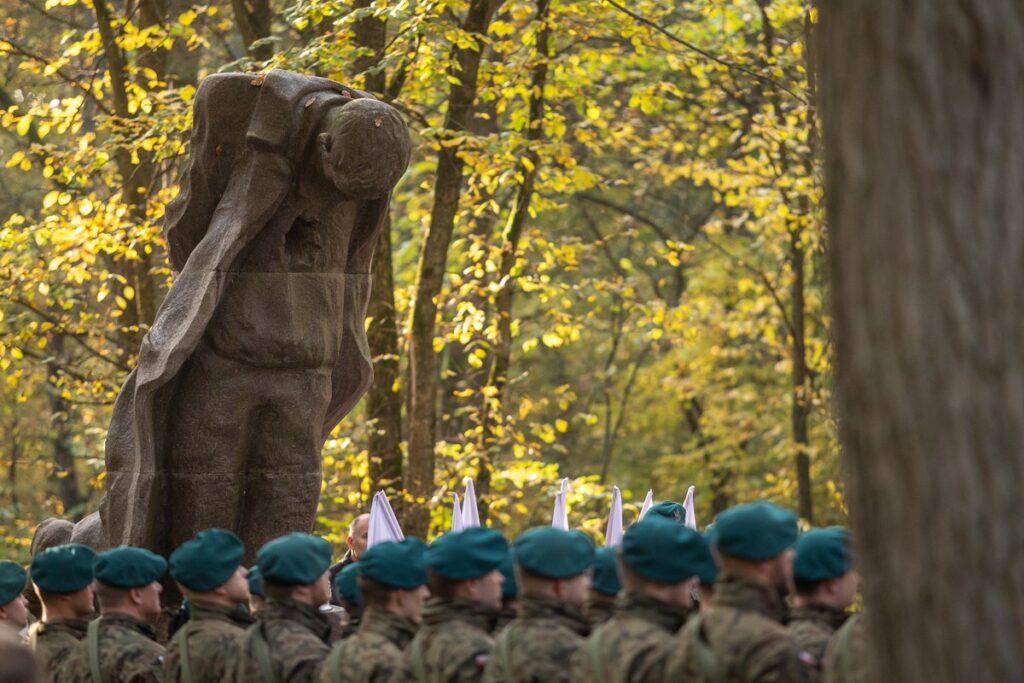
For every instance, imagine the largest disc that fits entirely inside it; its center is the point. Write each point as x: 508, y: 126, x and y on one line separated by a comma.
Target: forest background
x: 606, y: 261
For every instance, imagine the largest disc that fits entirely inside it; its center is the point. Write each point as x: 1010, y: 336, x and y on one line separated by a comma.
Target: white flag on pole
x: 470, y: 511
x: 613, y: 532
x: 691, y: 516
x: 648, y: 502
x: 383, y: 523
x: 560, y: 516
x: 456, y: 513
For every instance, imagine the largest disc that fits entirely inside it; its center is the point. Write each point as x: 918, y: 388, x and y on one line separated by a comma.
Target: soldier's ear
x: 325, y: 141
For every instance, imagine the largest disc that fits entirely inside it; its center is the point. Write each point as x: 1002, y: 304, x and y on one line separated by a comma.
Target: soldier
x: 121, y: 645
x: 741, y: 637
x: 289, y: 642
x: 826, y: 585
x: 13, y: 605
x: 257, y: 600
x: 509, y: 595
x: 454, y: 642
x: 553, y: 568
x: 604, y: 589
x: 660, y: 560
x: 16, y: 662
x: 346, y: 590
x: 62, y: 577
x: 845, y: 657
x: 392, y: 581
x: 209, y: 572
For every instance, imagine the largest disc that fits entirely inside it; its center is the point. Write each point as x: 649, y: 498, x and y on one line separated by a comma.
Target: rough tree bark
x: 422, y: 408
x: 924, y: 137
x: 383, y: 400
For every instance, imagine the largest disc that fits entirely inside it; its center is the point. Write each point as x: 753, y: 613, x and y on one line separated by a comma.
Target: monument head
x: 365, y: 148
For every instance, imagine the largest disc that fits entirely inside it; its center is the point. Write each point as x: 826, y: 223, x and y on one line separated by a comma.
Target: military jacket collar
x: 744, y: 594
x: 394, y: 627
x: 832, y: 617
x: 443, y: 610
x: 647, y: 607
x: 130, y: 623
x: 75, y: 627
x: 297, y: 612
x: 543, y: 607
x: 204, y: 611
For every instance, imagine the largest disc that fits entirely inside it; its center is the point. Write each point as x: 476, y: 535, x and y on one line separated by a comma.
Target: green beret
x: 606, y: 572
x: 468, y: 554
x: 668, y: 509
x: 755, y: 531
x: 63, y: 568
x: 207, y: 561
x: 255, y: 581
x: 398, y: 565
x: 663, y: 550
x: 128, y: 567
x: 294, y: 559
x: 822, y: 554
x: 346, y: 584
x: 554, y: 553
x: 12, y: 581
x: 509, y: 589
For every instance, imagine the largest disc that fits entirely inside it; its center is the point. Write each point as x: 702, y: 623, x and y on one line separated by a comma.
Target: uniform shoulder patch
x: 807, y: 659
x: 481, y: 661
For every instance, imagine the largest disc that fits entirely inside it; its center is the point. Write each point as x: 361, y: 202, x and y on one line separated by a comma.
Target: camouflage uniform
x: 629, y: 646
x: 454, y: 642
x: 739, y: 639
x: 600, y: 608
x: 127, y: 653
x: 211, y: 636
x: 55, y: 640
x: 845, y: 660
x: 374, y: 653
x: 505, y: 617
x: 539, y: 644
x: 811, y: 627
x: 287, y: 645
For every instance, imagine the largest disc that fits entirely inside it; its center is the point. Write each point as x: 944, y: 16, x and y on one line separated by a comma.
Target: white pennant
x: 613, y: 532
x: 560, y: 516
x: 648, y: 502
x: 383, y: 523
x: 456, y: 513
x: 470, y: 511
x: 691, y: 516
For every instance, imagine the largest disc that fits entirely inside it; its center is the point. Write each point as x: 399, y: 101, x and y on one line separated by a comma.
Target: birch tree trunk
x: 924, y: 139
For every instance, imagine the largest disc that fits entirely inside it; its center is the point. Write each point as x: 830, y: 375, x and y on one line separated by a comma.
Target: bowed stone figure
x: 259, y: 348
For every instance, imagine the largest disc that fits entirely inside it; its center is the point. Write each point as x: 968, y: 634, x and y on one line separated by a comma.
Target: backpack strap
x: 419, y: 667
x: 261, y: 649
x: 92, y: 636
x: 501, y: 650
x: 595, y: 646
x: 707, y: 662
x: 181, y: 640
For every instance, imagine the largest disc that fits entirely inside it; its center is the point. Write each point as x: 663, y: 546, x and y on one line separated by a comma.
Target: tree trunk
x: 383, y: 400
x: 800, y: 409
x: 502, y: 357
x: 64, y: 472
x: 253, y: 18
x: 422, y: 408
x: 924, y: 141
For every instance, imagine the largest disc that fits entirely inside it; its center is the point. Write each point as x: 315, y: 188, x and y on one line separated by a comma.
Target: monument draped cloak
x: 249, y: 135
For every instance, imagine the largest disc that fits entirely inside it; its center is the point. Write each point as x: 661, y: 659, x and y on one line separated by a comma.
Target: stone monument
x: 259, y: 348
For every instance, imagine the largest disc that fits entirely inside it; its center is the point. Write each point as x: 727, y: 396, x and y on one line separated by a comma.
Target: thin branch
x: 701, y: 51
x: 25, y: 52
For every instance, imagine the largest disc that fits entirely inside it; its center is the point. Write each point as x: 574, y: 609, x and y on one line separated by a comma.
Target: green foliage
x: 671, y: 262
